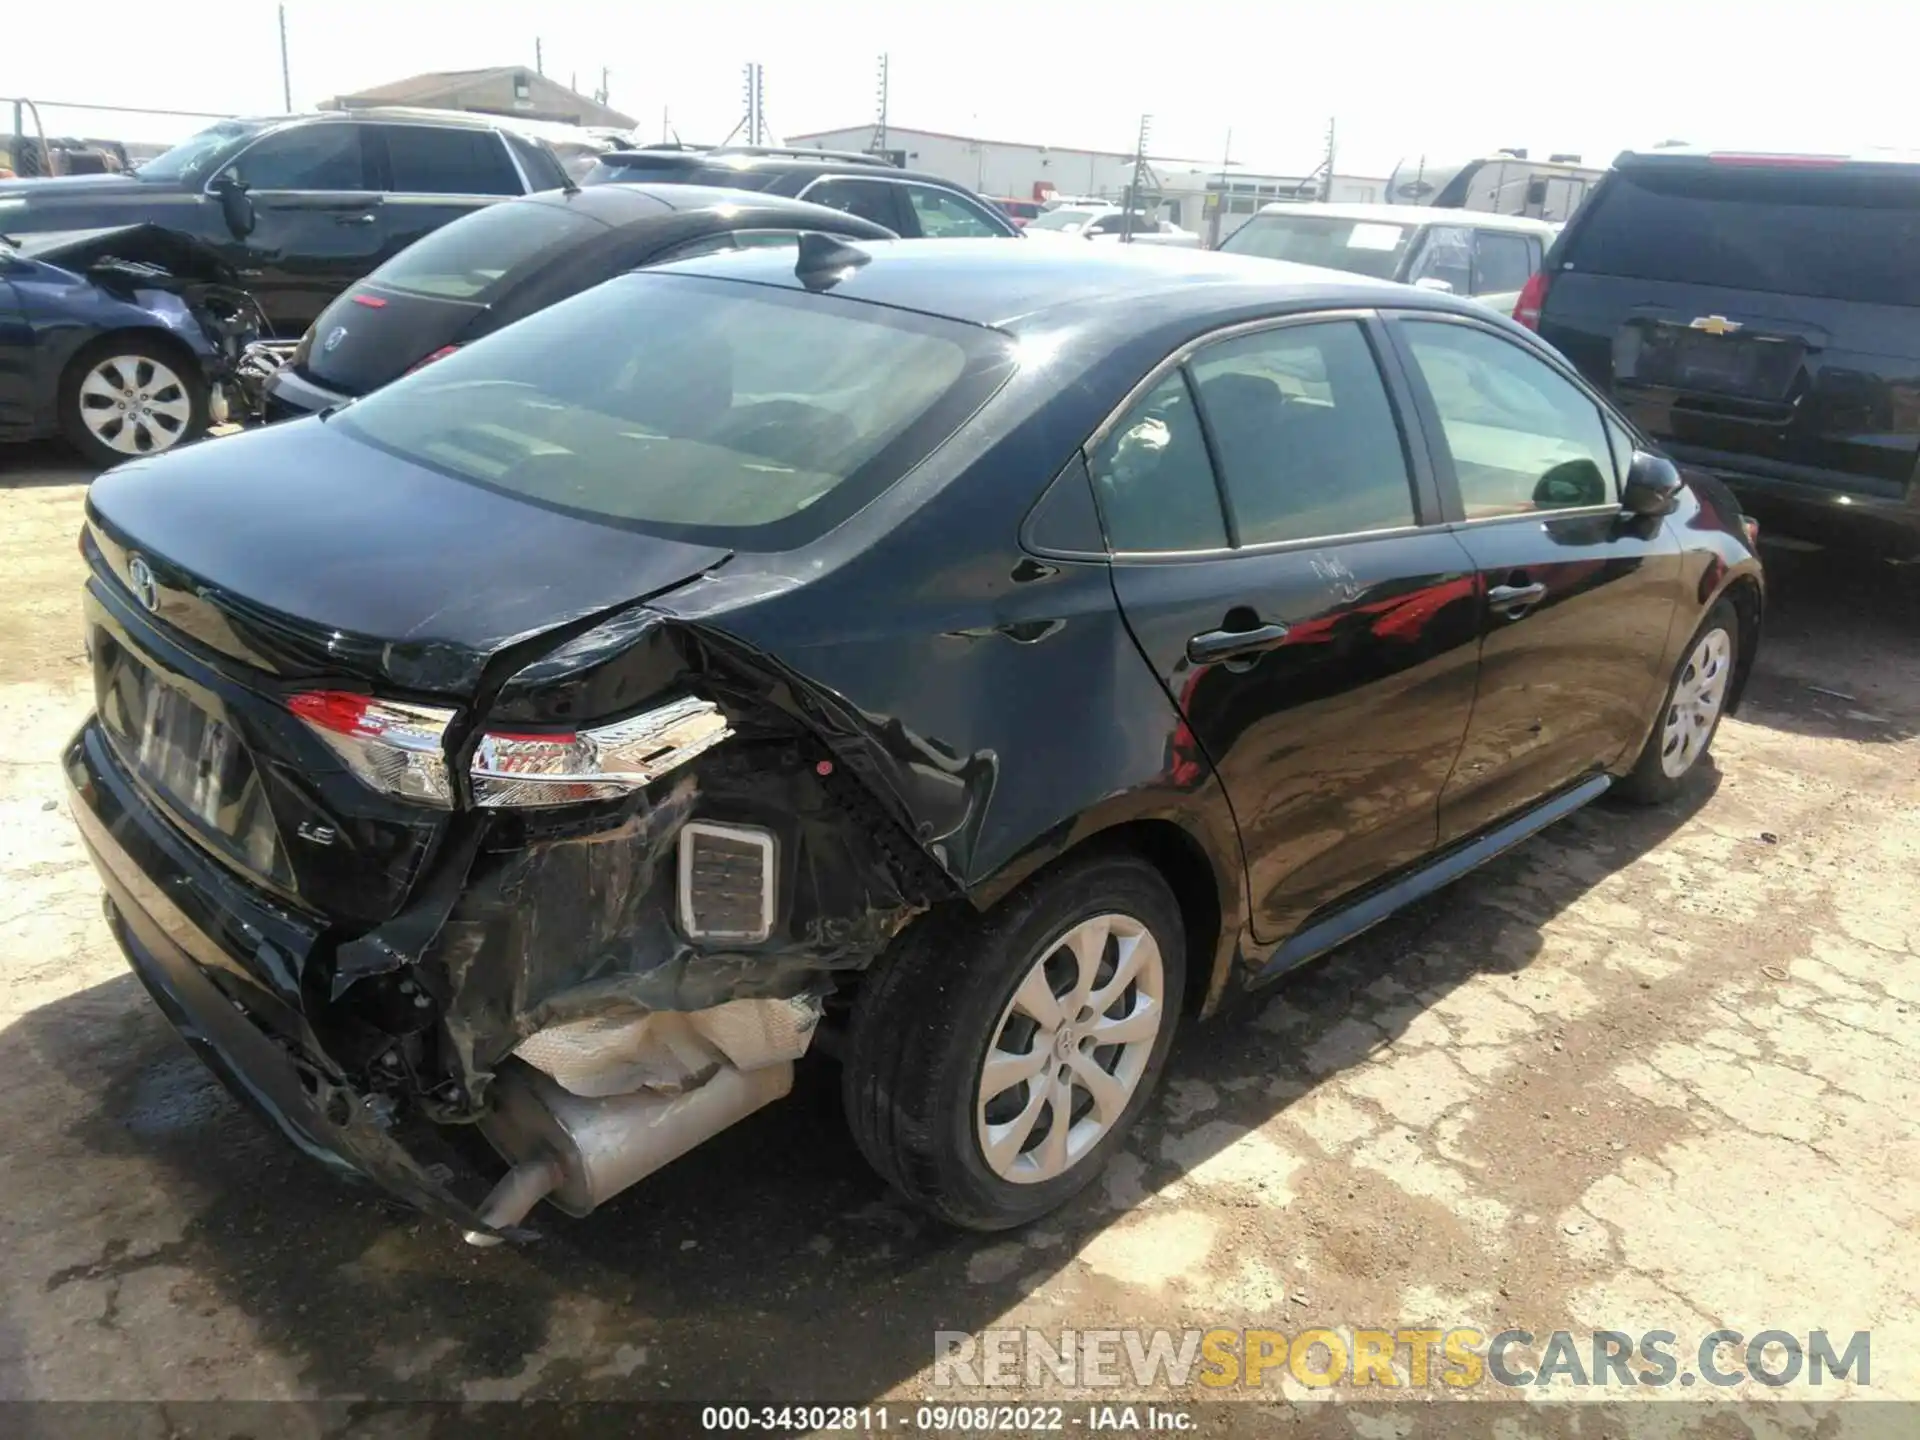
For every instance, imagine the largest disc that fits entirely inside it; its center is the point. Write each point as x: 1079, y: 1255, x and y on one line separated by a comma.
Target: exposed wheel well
x: 1185, y: 867
x: 1744, y: 595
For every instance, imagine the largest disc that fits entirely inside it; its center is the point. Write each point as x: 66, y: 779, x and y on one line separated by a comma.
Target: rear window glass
x: 695, y: 408
x: 669, y: 172
x: 1361, y: 247
x: 1798, y: 232
x: 477, y: 255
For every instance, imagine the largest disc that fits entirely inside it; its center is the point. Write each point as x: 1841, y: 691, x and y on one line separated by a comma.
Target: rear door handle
x: 1214, y: 646
x: 353, y: 219
x: 1515, y: 599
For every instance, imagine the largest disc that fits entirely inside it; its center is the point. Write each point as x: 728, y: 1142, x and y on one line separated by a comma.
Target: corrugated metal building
x: 504, y: 90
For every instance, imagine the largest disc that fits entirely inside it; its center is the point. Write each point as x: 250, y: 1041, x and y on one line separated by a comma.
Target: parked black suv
x: 301, y: 206
x: 915, y: 206
x: 1760, y: 316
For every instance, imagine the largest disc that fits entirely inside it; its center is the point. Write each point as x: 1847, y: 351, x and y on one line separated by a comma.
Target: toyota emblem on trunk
x: 140, y: 581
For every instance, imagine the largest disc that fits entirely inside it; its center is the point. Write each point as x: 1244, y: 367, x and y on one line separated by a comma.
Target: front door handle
x: 353, y: 219
x: 1516, y: 600
x: 1217, y: 645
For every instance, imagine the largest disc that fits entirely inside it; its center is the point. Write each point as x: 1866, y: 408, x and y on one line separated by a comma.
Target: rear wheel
x: 1696, y: 699
x: 994, y: 1062
x: 127, y: 395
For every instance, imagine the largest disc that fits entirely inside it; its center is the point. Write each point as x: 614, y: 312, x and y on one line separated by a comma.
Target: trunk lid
x: 1755, y: 320
x: 372, y: 336
x: 241, y: 572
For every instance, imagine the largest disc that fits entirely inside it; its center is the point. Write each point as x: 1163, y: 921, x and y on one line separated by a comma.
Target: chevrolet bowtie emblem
x: 1715, y: 324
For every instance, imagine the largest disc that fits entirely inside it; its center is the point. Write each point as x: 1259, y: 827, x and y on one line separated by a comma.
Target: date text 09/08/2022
x: 938, y: 1419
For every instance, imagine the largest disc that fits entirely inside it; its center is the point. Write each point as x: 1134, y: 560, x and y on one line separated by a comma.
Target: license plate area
x: 186, y: 755
x: 1678, y: 357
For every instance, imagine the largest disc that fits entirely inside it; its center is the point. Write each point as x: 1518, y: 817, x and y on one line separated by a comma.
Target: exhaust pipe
x: 578, y: 1152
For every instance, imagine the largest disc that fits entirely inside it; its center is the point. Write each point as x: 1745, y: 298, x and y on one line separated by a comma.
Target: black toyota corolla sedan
x: 968, y: 661
x: 500, y: 264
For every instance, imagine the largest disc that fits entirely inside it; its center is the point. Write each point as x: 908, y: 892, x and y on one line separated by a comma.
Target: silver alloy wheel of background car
x: 134, y: 404
x: 1070, y: 1048
x: 1697, y: 697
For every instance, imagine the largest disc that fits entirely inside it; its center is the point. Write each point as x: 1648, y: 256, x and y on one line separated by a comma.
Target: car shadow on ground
x: 1840, y: 654
x: 769, y: 1265
x: 42, y: 462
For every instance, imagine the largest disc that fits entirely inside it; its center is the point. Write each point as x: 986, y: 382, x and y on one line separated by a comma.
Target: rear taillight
x: 440, y: 354
x: 394, y: 747
x: 514, y: 770
x: 1533, y: 296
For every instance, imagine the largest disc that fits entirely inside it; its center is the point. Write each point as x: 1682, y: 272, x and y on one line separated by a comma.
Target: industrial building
x: 1191, y: 193
x: 504, y: 90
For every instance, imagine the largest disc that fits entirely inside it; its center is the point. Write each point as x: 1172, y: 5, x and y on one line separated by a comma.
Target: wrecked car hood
x: 301, y: 550
x: 75, y: 250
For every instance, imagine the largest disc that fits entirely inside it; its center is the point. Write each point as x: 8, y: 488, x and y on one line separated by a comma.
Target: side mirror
x: 1434, y: 282
x: 236, y: 207
x: 1653, y: 486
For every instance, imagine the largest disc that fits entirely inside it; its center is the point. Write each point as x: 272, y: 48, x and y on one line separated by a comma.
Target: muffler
x: 578, y: 1152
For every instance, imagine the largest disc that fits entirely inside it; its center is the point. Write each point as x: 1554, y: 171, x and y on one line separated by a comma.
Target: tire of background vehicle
x: 98, y: 381
x: 1696, y: 698
x: 961, y: 983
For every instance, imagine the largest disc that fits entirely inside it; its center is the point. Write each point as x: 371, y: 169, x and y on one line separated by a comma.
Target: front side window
x: 948, y: 217
x: 1446, y: 255
x: 313, y: 157
x: 434, y: 160
x: 865, y: 198
x: 724, y: 413
x: 1523, y: 438
x: 1501, y: 262
x: 1153, y: 478
x: 1304, y: 434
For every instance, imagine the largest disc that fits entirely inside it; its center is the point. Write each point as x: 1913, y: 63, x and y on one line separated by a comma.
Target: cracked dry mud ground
x: 1652, y: 1070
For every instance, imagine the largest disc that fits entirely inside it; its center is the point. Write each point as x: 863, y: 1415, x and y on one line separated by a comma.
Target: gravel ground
x: 1652, y: 1070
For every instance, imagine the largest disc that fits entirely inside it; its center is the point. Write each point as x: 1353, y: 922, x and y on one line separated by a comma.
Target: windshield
x: 699, y: 409
x: 1068, y: 220
x: 469, y: 259
x: 197, y: 155
x: 1362, y: 247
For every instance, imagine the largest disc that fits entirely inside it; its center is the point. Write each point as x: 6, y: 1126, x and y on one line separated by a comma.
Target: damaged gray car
x: 958, y: 661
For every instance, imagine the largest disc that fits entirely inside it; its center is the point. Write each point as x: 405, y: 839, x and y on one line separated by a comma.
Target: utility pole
x: 286, y: 82
x: 606, y: 88
x: 1220, y: 199
x: 539, y: 59
x: 1139, y: 179
x: 1326, y: 185
x: 754, y: 120
x: 878, y: 145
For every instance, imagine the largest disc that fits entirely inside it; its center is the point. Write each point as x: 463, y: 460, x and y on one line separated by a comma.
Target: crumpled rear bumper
x: 222, y: 962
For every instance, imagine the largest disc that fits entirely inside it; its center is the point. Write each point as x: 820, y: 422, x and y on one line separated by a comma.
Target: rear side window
x: 479, y: 255
x: 1501, y: 262
x: 430, y: 160
x: 723, y: 413
x: 1304, y: 433
x: 868, y: 199
x: 948, y: 217
x: 1153, y: 479
x: 543, y: 167
x: 1836, y: 236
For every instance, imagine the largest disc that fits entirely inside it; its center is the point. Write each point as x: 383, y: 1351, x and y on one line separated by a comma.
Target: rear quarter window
x: 1831, y: 235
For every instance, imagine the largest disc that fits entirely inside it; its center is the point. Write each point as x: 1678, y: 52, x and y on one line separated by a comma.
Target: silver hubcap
x: 1070, y: 1048
x: 134, y: 405
x: 1697, y: 698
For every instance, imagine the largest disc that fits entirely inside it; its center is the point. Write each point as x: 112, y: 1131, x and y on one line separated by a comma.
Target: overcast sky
x: 1402, y: 78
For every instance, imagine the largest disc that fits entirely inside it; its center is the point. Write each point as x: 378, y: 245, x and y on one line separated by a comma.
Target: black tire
x: 933, y: 1005
x: 191, y: 385
x: 1649, y: 782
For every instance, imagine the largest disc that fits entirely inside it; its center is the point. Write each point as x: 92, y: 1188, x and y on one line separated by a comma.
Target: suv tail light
x: 519, y: 771
x: 1533, y: 297
x: 394, y: 747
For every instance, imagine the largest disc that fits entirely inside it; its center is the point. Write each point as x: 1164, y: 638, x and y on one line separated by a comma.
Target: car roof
x: 1762, y: 159
x: 629, y: 202
x: 454, y: 119
x: 1014, y: 284
x: 1411, y: 215
x: 759, y: 160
